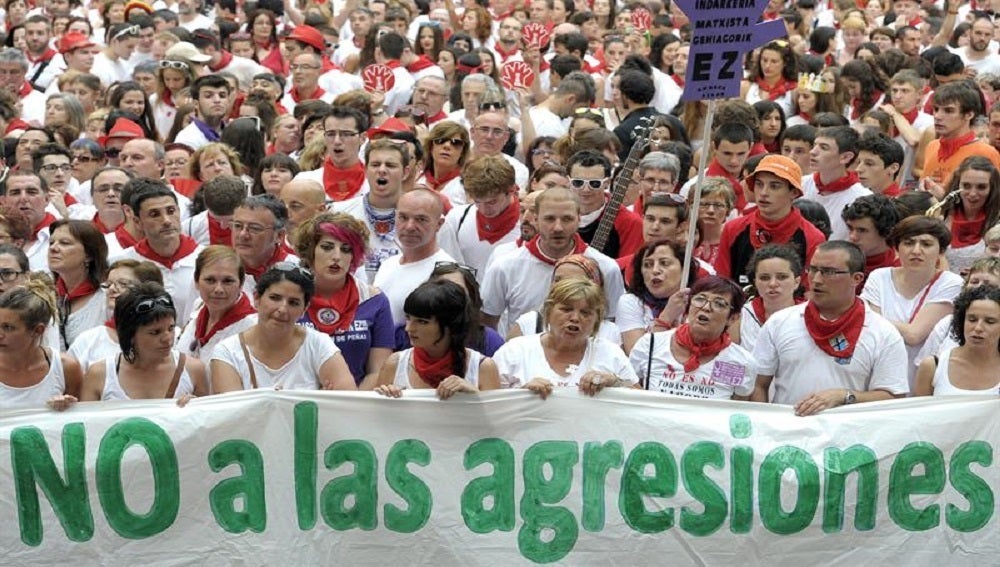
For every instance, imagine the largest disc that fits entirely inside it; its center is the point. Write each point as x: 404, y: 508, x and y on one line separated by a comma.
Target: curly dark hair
x: 962, y: 304
x: 877, y: 207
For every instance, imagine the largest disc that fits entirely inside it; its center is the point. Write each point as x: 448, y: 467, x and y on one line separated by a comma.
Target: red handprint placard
x: 516, y: 75
x: 378, y: 78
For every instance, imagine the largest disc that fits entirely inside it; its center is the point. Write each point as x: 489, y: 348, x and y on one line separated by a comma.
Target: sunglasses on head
x: 453, y: 266
x: 147, y: 305
x: 291, y: 267
x: 168, y: 64
x: 132, y: 30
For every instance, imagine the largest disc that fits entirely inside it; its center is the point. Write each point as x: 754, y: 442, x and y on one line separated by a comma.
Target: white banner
x: 504, y: 478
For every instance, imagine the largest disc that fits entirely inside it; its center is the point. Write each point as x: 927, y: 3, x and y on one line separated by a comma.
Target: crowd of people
x: 388, y: 195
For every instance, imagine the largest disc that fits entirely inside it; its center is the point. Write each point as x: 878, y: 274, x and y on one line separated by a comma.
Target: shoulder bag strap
x: 649, y: 362
x: 177, y: 377
x: 246, y: 354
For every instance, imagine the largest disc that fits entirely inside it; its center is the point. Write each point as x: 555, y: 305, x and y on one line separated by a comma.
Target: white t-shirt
x: 93, y: 345
x: 834, y: 203
x: 113, y: 389
x: 633, y: 314
x: 189, y: 345
x: 880, y: 292
x: 397, y: 280
x: 785, y: 100
x: 459, y: 237
x: 299, y: 373
x: 922, y: 122
x: 547, y: 123
x: 110, y: 71
x: 731, y: 372
x: 787, y: 352
x: 522, y: 359
x: 380, y: 247
x: 531, y: 322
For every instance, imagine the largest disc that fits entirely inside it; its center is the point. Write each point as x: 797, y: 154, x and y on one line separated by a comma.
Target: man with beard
x: 509, y: 46
x: 211, y: 95
x: 977, y: 55
x: 45, y: 62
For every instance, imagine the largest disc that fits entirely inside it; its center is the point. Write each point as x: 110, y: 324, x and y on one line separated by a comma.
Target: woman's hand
x: 183, y: 400
x: 540, y: 386
x: 61, y: 403
x: 389, y: 391
x: 672, y: 313
x: 593, y: 382
x: 932, y: 187
x: 453, y: 385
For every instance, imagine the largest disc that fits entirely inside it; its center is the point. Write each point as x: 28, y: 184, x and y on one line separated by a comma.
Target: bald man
x: 419, y: 215
x: 304, y: 199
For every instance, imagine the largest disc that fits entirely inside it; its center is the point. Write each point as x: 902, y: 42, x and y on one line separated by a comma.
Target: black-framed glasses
x: 701, y: 302
x: 451, y: 266
x: 487, y: 106
x: 251, y: 227
x: 594, y: 184
x: 9, y: 275
x: 454, y: 142
x: 292, y: 268
x: 826, y: 272
x: 171, y: 64
x: 147, y: 305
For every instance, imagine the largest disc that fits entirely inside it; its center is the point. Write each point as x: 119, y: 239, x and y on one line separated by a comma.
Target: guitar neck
x: 618, y: 191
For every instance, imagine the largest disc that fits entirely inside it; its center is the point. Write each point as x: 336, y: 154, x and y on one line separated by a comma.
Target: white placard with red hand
x: 517, y: 74
x: 378, y: 78
x: 642, y: 19
x: 534, y: 34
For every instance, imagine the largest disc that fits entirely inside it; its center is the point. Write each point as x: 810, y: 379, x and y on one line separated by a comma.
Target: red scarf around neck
x: 837, y: 185
x: 342, y: 184
x: 504, y: 53
x: 45, y: 56
x: 966, y: 232
x: 763, y: 231
x: 218, y: 234
x: 893, y: 190
x: 757, y: 304
x: 777, y: 91
x: 240, y: 310
x: 84, y: 289
x: 839, y: 337
x: 715, y: 169
x: 856, y: 105
x: 43, y: 224
x: 432, y: 371
x: 224, y: 61
x: 678, y: 79
x: 278, y: 255
x: 909, y: 116
x: 125, y: 239
x: 493, y: 229
x: 422, y: 62
x: 186, y: 247
x: 334, y: 314
x: 436, y: 184
x: 698, y: 350
x: 950, y: 146
x: 532, y: 246
x: 887, y: 259
x: 298, y: 97
x: 105, y: 229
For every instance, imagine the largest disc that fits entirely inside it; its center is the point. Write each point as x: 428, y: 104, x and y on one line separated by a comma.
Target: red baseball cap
x: 73, y: 41
x: 390, y: 126
x: 123, y: 128
x: 309, y: 36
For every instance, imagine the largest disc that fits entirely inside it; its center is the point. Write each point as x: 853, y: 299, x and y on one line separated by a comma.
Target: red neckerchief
x: 769, y: 16
x: 909, y: 116
x: 493, y: 229
x: 437, y: 117
x: 842, y: 332
x: 185, y: 186
x: 837, y: 185
x: 16, y: 124
x: 342, y: 184
x: 949, y: 146
x: 678, y: 79
x: 757, y: 305
x: 45, y: 222
x: 281, y: 109
x: 297, y: 97
x: 105, y: 229
x: 46, y: 56
x: 438, y: 184
x: 698, y: 350
x: 806, y: 116
x: 856, y: 105
x: 763, y: 231
x: 503, y: 53
x: 893, y: 190
x: 327, y: 65
x: 966, y: 232
x: 125, y: 238
x: 218, y: 234
x: 234, y: 113
x: 110, y: 323
x: 432, y: 371
x: 84, y: 289
x: 168, y: 98
x: 422, y: 62
x: 186, y: 247
x: 773, y: 147
x: 887, y: 259
x: 278, y: 255
x: 757, y: 149
x: 26, y: 89
x: 715, y: 169
x: 393, y: 63
x: 916, y: 21
x: 532, y: 247
x: 543, y: 66
x: 777, y: 91
x: 224, y: 61
x: 334, y: 314
x: 273, y: 60
x: 236, y: 313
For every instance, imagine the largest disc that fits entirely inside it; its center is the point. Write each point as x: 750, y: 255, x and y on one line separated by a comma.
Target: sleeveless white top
x: 942, y: 383
x: 113, y: 389
x: 52, y: 384
x: 402, y: 378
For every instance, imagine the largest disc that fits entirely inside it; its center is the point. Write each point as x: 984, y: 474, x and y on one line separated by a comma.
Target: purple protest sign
x: 723, y: 32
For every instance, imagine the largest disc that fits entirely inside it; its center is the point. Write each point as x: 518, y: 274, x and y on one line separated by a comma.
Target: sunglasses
x: 455, y: 142
x: 492, y: 106
x: 112, y: 152
x: 594, y: 184
x: 291, y: 267
x: 132, y: 30
x: 448, y: 267
x: 179, y: 65
x: 147, y: 305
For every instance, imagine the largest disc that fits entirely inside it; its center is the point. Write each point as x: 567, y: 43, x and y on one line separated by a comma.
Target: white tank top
x: 113, y: 389
x: 942, y: 383
x: 402, y: 380
x: 52, y: 384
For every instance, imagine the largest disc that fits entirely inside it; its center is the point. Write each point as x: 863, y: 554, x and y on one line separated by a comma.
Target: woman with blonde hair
x: 172, y: 76
x: 214, y: 159
x: 65, y: 109
x: 446, y: 150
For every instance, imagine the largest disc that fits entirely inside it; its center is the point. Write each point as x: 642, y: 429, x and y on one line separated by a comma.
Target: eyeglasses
x: 542, y: 152
x: 702, y: 302
x: 112, y: 152
x: 490, y: 132
x: 120, y: 285
x: 147, y: 305
x: 132, y: 30
x: 302, y: 67
x: 180, y: 65
x: 252, y: 228
x: 9, y: 275
x: 291, y: 267
x: 53, y: 167
x: 85, y: 159
x: 451, y: 266
x: 595, y: 184
x: 453, y: 142
x: 342, y: 134
x: 657, y: 183
x: 826, y: 272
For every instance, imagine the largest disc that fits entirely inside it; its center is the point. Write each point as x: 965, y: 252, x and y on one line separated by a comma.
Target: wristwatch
x: 849, y: 398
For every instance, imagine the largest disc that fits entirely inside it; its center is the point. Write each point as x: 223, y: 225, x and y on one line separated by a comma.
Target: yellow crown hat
x: 815, y: 83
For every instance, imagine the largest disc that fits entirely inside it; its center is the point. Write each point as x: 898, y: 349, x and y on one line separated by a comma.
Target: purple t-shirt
x: 372, y: 328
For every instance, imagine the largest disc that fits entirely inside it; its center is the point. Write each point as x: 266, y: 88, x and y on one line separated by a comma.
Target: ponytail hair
x: 35, y: 301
